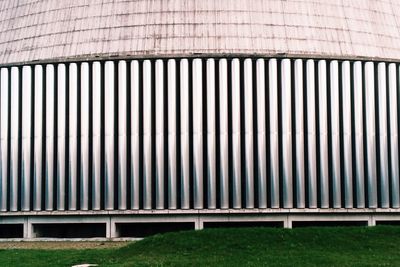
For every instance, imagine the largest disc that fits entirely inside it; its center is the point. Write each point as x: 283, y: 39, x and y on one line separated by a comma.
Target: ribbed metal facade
x: 203, y: 133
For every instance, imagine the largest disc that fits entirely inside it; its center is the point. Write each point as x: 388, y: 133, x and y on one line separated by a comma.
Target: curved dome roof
x: 47, y: 29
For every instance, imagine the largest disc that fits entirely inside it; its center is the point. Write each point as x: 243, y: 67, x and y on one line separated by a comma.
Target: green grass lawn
x: 324, y: 246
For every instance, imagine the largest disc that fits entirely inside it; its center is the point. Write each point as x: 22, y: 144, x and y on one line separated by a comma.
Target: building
x: 122, y: 118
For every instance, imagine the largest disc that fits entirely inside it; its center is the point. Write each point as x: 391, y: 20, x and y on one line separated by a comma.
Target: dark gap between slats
x: 178, y: 135
x: 44, y: 128
x: 280, y: 105
x: 365, y: 138
x: 128, y: 192
x: 90, y: 178
x: 230, y: 150
x: 32, y: 134
x: 243, y: 165
x: 68, y: 177
x: 377, y: 141
x: 341, y: 137
x: 330, y: 133
x: 55, y: 180
x: 257, y: 177
x: 102, y: 153
x: 306, y: 152
x: 78, y: 141
x: 116, y: 134
x: 191, y: 163
x: 353, y: 137
x: 389, y: 126
x: 267, y: 133
x: 166, y: 122
x: 206, y: 167
x: 293, y: 83
x: 153, y: 134
x: 141, y: 150
x: 217, y: 137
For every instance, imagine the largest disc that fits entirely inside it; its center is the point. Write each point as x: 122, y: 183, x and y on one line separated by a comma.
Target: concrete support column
x: 110, y: 228
x: 198, y: 224
x: 287, y: 223
x: 28, y: 229
x: 26, y: 233
x: 371, y: 221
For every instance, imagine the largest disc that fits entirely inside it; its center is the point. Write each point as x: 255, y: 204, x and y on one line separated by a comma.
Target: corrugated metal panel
x: 108, y: 28
x: 200, y: 134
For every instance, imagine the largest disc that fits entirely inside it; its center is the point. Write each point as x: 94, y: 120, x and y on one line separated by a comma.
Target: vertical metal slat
x: 184, y: 153
x: 147, y: 155
x: 347, y: 132
x: 122, y: 135
x: 394, y: 135
x: 249, y: 146
x: 73, y: 136
x: 223, y: 133
x: 261, y: 135
x: 211, y: 149
x: 323, y: 134
x: 359, y: 134
x: 38, y: 139
x: 50, y: 110
x: 371, y: 134
x: 383, y: 137
x: 236, y: 151
x: 109, y: 98
x: 311, y: 135
x: 287, y: 169
x: 61, y: 134
x: 4, y: 136
x: 96, y: 168
x: 335, y: 131
x: 14, y: 171
x: 197, y: 134
x: 159, y: 134
x: 135, y: 153
x: 26, y: 137
x: 274, y: 132
x: 172, y: 172
x: 84, y: 165
x: 299, y: 133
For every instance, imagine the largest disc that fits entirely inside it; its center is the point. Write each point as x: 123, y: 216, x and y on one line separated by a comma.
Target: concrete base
x: 199, y: 218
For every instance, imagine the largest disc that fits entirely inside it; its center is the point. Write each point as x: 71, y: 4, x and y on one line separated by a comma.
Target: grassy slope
x: 358, y: 246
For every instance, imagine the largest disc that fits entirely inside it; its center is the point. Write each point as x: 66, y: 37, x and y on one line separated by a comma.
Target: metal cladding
x: 203, y: 133
x: 32, y: 30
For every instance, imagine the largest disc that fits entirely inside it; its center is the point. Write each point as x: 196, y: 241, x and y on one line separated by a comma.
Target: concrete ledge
x: 111, y: 219
x: 194, y: 211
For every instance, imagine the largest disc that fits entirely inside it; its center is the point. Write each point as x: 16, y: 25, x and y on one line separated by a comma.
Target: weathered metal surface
x: 45, y: 29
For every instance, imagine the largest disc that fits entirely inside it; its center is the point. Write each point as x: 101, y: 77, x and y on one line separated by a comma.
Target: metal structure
x: 158, y: 135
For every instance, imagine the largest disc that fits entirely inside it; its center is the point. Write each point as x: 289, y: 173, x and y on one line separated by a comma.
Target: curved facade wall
x: 211, y: 133
x: 116, y: 113
x: 47, y: 30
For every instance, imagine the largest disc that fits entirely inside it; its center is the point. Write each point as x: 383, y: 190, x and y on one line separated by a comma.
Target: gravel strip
x: 62, y: 245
